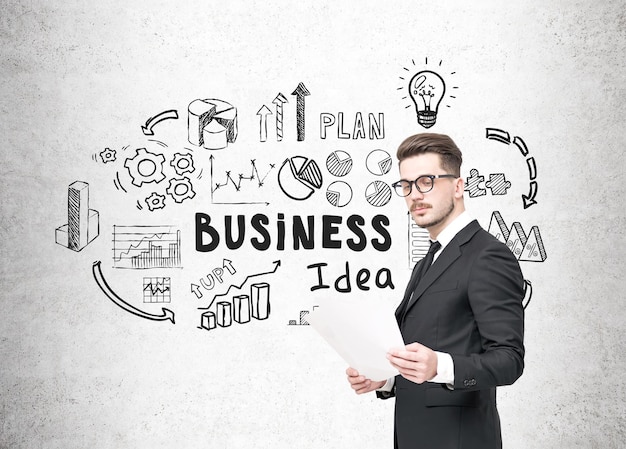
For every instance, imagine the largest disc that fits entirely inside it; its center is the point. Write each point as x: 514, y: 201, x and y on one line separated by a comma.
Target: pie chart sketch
x: 379, y: 162
x: 378, y: 193
x: 211, y: 123
x: 339, y: 163
x: 299, y: 177
x: 339, y: 194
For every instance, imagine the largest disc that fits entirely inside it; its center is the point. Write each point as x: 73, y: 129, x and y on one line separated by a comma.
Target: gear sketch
x: 182, y: 163
x: 145, y: 167
x: 180, y: 189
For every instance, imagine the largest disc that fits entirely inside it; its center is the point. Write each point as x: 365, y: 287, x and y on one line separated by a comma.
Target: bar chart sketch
x: 83, y: 224
x: 143, y: 247
x: 240, y: 309
x: 303, y: 319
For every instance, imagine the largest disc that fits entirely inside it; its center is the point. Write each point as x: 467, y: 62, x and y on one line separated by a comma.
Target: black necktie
x: 427, y: 261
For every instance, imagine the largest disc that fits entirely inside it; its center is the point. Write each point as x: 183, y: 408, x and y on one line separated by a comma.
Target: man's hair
x: 441, y: 144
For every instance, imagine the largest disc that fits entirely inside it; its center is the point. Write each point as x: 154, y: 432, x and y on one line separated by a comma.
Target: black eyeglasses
x: 423, y: 184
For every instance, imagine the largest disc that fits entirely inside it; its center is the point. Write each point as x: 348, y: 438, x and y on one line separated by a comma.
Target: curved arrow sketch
x: 106, y: 289
x: 152, y: 121
x: 276, y: 265
x: 529, y: 199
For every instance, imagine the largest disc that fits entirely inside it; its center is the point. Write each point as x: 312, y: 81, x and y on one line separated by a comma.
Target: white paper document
x: 362, y: 331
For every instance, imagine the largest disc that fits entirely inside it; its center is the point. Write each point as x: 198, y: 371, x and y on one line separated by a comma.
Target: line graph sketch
x: 141, y: 247
x: 228, y: 181
x: 157, y: 289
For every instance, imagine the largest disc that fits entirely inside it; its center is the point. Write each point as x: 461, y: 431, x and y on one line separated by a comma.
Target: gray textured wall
x: 79, y: 77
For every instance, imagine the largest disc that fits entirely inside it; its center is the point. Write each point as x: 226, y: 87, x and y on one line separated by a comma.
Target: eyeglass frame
x: 432, y: 178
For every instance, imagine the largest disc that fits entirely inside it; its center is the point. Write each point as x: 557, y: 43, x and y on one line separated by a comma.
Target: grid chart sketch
x: 157, y: 290
x: 144, y: 247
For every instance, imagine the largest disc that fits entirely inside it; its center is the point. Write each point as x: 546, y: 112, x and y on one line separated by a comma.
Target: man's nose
x: 415, y: 193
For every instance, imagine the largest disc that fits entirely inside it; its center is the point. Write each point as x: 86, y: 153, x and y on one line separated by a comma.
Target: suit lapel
x: 450, y: 253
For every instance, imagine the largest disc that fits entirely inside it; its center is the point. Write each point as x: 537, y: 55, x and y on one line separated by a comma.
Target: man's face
x: 432, y: 210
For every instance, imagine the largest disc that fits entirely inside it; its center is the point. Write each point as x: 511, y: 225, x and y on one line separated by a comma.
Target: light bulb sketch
x: 427, y: 89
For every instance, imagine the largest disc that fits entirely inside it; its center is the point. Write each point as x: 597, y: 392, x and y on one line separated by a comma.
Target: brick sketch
x: 427, y: 90
x: 83, y: 223
x: 124, y: 305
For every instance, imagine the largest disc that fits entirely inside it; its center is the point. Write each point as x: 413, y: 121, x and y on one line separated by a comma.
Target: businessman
x: 461, y: 317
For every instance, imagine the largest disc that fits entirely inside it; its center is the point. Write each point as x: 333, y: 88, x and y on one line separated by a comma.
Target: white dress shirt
x: 445, y: 365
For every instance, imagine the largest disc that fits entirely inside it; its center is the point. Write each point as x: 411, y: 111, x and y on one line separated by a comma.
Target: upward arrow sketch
x: 279, y: 101
x: 276, y: 265
x: 300, y: 92
x: 263, y: 113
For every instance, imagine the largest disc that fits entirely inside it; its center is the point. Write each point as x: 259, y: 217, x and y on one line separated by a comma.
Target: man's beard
x: 438, y: 219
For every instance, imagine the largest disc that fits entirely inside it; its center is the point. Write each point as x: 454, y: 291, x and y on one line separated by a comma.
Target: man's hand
x: 415, y: 362
x: 361, y: 384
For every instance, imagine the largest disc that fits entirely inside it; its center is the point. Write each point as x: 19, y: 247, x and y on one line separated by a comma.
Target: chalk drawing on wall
x: 83, y: 223
x: 145, y: 167
x: 418, y: 241
x: 147, y: 128
x: 141, y: 247
x: 279, y: 101
x: 339, y: 163
x: 239, y: 308
x: 302, y: 319
x: 300, y: 92
x: 502, y: 136
x: 263, y: 112
x: 235, y: 182
x: 157, y: 289
x: 427, y: 90
x: 378, y: 162
x: 124, y: 305
x: 476, y: 186
x: 299, y: 177
x: 216, y: 276
x: 378, y: 193
x: 339, y: 194
x: 526, y: 247
x: 212, y: 123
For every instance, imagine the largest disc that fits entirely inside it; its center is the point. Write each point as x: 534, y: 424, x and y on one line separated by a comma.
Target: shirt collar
x: 453, y: 229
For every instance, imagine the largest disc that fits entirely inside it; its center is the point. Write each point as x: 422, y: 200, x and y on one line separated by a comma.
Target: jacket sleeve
x: 495, y: 293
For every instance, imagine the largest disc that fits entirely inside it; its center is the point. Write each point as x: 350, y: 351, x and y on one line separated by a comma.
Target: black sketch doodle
x: 235, y: 183
x: 155, y: 201
x: 378, y: 162
x: 242, y: 307
x: 147, y: 128
x: 212, y: 123
x: 263, y: 113
x: 502, y: 136
x: 279, y: 101
x: 157, y: 289
x: 145, y: 167
x: 526, y: 247
x: 142, y: 247
x: 339, y: 193
x: 376, y: 126
x: 476, y: 186
x: 303, y: 319
x: 378, y: 193
x: 216, y: 276
x: 418, y: 241
x: 180, y: 189
x: 108, y: 155
x: 300, y: 92
x: 339, y: 163
x: 299, y: 177
x: 117, y: 300
x: 426, y: 89
x: 182, y: 163
x: 83, y: 224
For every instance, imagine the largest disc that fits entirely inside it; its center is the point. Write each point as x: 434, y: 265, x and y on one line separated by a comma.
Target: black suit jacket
x: 468, y: 304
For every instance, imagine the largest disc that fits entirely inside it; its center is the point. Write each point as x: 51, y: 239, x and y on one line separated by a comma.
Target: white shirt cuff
x: 388, y: 385
x: 445, y: 369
